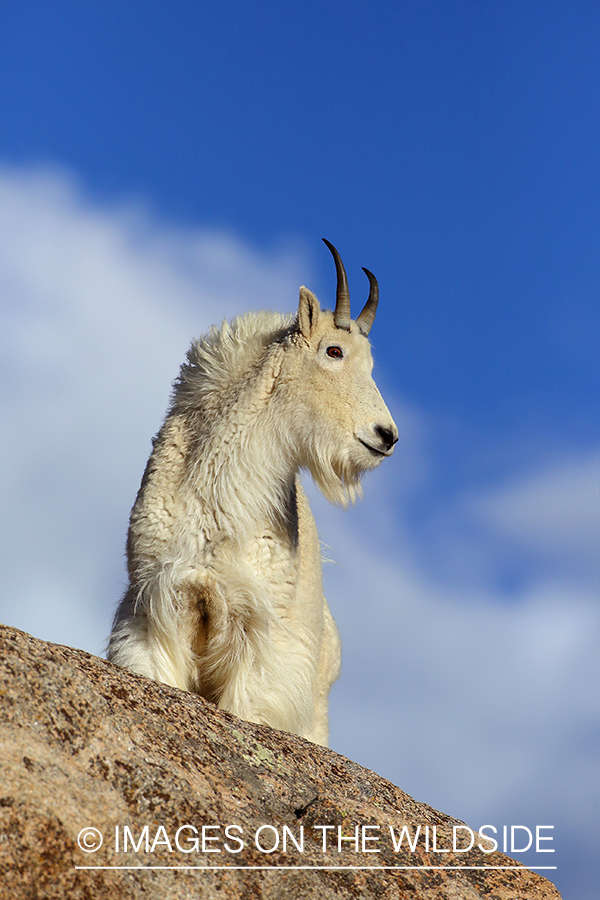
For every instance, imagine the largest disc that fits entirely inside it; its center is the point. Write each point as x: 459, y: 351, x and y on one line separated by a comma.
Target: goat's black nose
x: 387, y: 436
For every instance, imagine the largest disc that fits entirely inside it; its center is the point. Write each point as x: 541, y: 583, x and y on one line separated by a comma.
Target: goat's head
x: 342, y: 426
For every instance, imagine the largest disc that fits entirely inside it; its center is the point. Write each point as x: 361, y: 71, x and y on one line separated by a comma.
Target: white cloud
x: 98, y: 305
x: 554, y: 511
x: 475, y: 699
x: 478, y: 700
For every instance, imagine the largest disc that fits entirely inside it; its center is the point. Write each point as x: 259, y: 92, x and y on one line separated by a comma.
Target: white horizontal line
x: 321, y: 868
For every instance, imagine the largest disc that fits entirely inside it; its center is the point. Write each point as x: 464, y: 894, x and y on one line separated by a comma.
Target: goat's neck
x: 248, y: 472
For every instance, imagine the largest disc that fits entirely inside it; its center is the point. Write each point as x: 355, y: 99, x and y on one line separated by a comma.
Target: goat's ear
x: 308, y: 312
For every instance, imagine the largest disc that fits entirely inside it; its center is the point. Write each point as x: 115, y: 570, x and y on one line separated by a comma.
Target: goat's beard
x: 338, y: 478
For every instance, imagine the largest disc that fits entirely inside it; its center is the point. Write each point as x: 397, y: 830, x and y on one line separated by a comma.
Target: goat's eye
x: 334, y: 352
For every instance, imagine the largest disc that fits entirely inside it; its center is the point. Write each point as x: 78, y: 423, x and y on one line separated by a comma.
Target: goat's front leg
x: 227, y: 641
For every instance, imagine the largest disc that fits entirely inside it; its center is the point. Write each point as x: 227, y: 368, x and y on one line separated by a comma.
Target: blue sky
x: 448, y: 147
x: 164, y: 165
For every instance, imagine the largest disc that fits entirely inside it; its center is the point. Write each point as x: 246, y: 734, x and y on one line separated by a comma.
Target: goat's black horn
x: 342, y: 295
x: 367, y: 316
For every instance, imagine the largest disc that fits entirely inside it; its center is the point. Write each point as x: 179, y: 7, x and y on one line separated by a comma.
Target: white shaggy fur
x: 225, y: 595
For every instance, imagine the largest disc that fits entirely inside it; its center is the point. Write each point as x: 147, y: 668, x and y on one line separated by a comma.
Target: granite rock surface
x: 168, y: 781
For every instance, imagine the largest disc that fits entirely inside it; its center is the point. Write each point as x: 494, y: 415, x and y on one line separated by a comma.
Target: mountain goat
x: 225, y: 595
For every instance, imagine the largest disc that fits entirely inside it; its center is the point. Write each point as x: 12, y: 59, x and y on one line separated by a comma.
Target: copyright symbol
x: 89, y: 840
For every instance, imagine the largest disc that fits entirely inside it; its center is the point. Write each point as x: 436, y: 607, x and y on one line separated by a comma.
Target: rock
x: 88, y: 745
